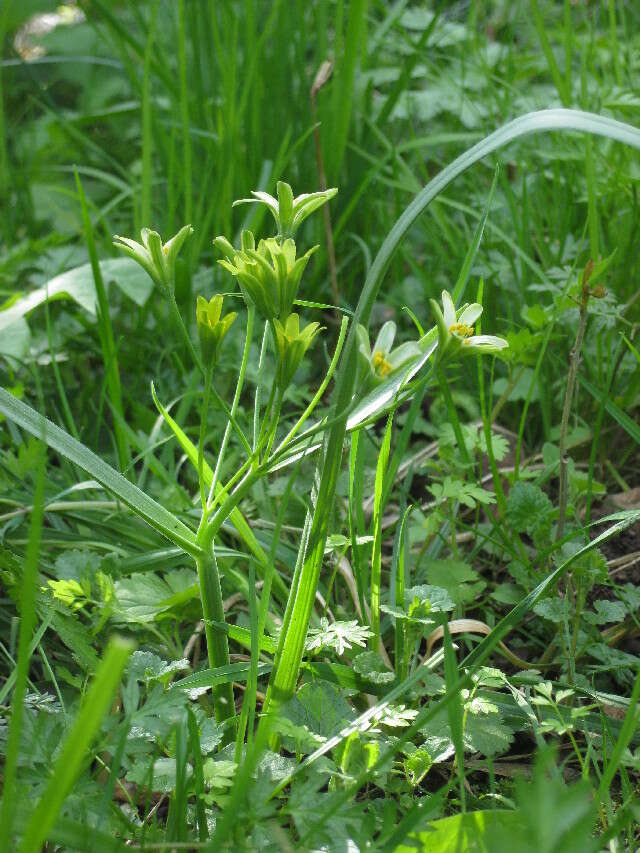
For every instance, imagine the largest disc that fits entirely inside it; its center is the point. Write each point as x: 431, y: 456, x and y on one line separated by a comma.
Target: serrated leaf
x: 396, y: 716
x: 528, y: 508
x: 415, y: 618
x: 163, y: 776
x: 319, y: 706
x: 77, y: 639
x: 553, y: 609
x: 417, y: 765
x: 338, y: 636
x: 161, y: 711
x: 371, y: 667
x: 144, y: 597
x: 605, y: 611
x: 456, y: 577
x: 219, y: 773
x: 434, y: 598
x: 147, y: 666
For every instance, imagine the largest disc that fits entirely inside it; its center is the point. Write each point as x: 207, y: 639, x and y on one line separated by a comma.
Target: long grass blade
x: 76, y: 744
x: 141, y: 504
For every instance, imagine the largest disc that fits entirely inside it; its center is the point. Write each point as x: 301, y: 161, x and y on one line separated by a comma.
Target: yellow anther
x: 461, y: 330
x: 380, y: 364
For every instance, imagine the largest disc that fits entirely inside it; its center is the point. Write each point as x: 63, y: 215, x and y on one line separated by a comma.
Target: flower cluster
x: 269, y: 275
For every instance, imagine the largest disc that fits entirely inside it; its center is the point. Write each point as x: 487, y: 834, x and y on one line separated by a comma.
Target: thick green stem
x: 217, y: 643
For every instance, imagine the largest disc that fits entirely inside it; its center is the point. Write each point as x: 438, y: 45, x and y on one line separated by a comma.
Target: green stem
x: 574, y: 361
x: 213, y: 611
x: 231, y: 419
x: 376, y: 556
x: 224, y: 490
x: 203, y: 427
x: 452, y: 525
x: 256, y: 403
x: 274, y: 423
x: 186, y: 337
x: 453, y: 417
x: 236, y: 399
x: 211, y: 528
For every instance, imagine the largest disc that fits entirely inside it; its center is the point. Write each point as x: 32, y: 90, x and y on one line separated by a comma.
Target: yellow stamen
x: 380, y: 364
x: 461, y: 330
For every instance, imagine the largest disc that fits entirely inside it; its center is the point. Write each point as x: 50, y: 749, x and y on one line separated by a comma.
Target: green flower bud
x: 289, y: 212
x: 211, y: 327
x: 156, y: 258
x: 291, y: 346
x: 269, y: 276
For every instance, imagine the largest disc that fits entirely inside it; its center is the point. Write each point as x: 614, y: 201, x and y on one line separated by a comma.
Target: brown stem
x: 574, y: 362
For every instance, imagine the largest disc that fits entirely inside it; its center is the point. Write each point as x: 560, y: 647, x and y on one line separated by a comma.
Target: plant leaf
x: 141, y: 504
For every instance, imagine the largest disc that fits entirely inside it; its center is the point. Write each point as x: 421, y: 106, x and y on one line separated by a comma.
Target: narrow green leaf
x: 216, y: 676
x: 628, y: 424
x: 141, y: 504
x: 76, y: 744
x: 376, y: 558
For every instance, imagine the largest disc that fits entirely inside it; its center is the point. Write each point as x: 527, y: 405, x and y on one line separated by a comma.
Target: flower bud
x: 291, y: 345
x: 269, y: 276
x: 212, y: 327
x: 289, y: 212
x: 156, y: 258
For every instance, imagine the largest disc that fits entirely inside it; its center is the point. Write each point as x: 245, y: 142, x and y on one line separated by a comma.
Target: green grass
x: 280, y: 694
